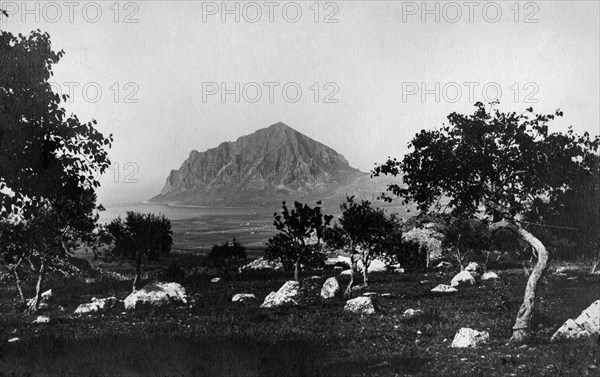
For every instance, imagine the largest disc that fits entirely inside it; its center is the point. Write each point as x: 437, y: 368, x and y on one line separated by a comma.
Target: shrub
x: 227, y: 255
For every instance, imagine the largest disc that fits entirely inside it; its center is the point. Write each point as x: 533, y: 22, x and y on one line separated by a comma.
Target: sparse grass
x: 215, y: 337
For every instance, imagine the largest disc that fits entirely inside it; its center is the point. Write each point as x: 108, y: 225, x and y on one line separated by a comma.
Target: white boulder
x: 42, y: 319
x: 376, y: 265
x: 47, y: 295
x: 467, y: 337
x: 156, y: 294
x: 12, y: 340
x: 97, y: 305
x: 243, y: 297
x: 215, y: 280
x: 330, y: 288
x: 284, y: 296
x: 360, y: 305
x: 262, y: 264
x: 462, y: 278
x: 586, y: 325
x: 346, y: 273
x: 443, y: 288
x: 473, y: 267
x: 490, y: 276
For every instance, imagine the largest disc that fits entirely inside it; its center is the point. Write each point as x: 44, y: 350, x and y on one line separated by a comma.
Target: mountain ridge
x: 269, y: 165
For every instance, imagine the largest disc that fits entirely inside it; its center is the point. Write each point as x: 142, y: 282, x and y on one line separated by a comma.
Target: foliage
x: 496, y: 163
x: 466, y: 240
x: 279, y: 248
x: 226, y: 254
x: 296, y: 227
x: 49, y: 161
x: 139, y: 236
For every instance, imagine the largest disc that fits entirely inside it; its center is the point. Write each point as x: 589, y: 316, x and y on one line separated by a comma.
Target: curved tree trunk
x: 366, y: 263
x: 523, y: 321
x: 18, y: 280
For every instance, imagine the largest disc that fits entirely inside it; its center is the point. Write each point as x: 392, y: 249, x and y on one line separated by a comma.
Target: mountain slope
x: 272, y: 164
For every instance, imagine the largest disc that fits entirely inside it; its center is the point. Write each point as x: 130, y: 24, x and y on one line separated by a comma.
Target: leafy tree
x: 362, y: 232
x: 225, y: 254
x: 466, y: 239
x: 49, y: 161
x: 300, y: 232
x: 494, y: 165
x: 139, y: 236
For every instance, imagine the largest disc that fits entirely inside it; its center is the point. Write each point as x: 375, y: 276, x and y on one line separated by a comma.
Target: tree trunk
x: 365, y: 272
x: 18, y: 280
x: 138, y: 273
x: 34, y: 304
x: 594, y: 266
x: 348, y: 292
x: 523, y: 321
x: 297, y: 270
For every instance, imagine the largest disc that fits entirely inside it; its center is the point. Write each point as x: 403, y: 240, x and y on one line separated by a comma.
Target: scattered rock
x: 243, y: 297
x: 473, y: 267
x: 369, y: 294
x: 336, y: 261
x: 42, y: 319
x: 586, y: 325
x: 361, y: 305
x: 386, y: 295
x: 315, y: 277
x: 444, y: 264
x: 467, y: 337
x: 346, y: 273
x: 428, y: 238
x: 330, y: 288
x: 376, y: 265
x: 410, y: 313
x: 400, y: 270
x: 156, y: 294
x: 47, y: 295
x: 262, y: 264
x: 444, y: 289
x: 12, y: 340
x: 97, y: 305
x: 490, y: 276
x: 89, y: 280
x: 462, y: 278
x: 215, y: 280
x: 286, y: 295
x: 424, y: 281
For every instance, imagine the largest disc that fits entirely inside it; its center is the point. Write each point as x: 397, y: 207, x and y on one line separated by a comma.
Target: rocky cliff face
x: 272, y: 164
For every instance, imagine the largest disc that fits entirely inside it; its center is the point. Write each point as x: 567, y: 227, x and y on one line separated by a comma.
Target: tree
x: 362, y: 232
x: 300, y: 232
x: 225, y: 254
x: 48, y: 160
x: 494, y: 165
x: 139, y: 236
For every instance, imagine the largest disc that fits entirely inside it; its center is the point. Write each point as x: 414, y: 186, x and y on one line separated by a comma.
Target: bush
x: 412, y: 256
x: 279, y: 248
x: 227, y: 255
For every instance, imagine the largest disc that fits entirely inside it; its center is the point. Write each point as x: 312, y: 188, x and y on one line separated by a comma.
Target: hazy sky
x: 370, y: 68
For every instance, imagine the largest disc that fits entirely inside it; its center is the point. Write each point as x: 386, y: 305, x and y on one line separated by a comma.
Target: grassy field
x: 213, y: 336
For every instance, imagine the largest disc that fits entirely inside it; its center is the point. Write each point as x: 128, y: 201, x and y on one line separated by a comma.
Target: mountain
x: 270, y: 165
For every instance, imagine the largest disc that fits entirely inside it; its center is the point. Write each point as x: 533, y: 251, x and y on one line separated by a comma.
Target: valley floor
x: 212, y: 336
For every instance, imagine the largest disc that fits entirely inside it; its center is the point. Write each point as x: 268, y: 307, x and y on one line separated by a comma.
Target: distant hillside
x: 270, y: 165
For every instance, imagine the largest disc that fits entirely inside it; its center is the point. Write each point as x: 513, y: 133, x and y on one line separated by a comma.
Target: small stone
x: 240, y: 297
x: 489, y: 276
x: 419, y: 332
x: 467, y: 337
x: 12, y: 340
x: 409, y: 313
x: 215, y: 280
x: 443, y: 288
x: 42, y: 319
